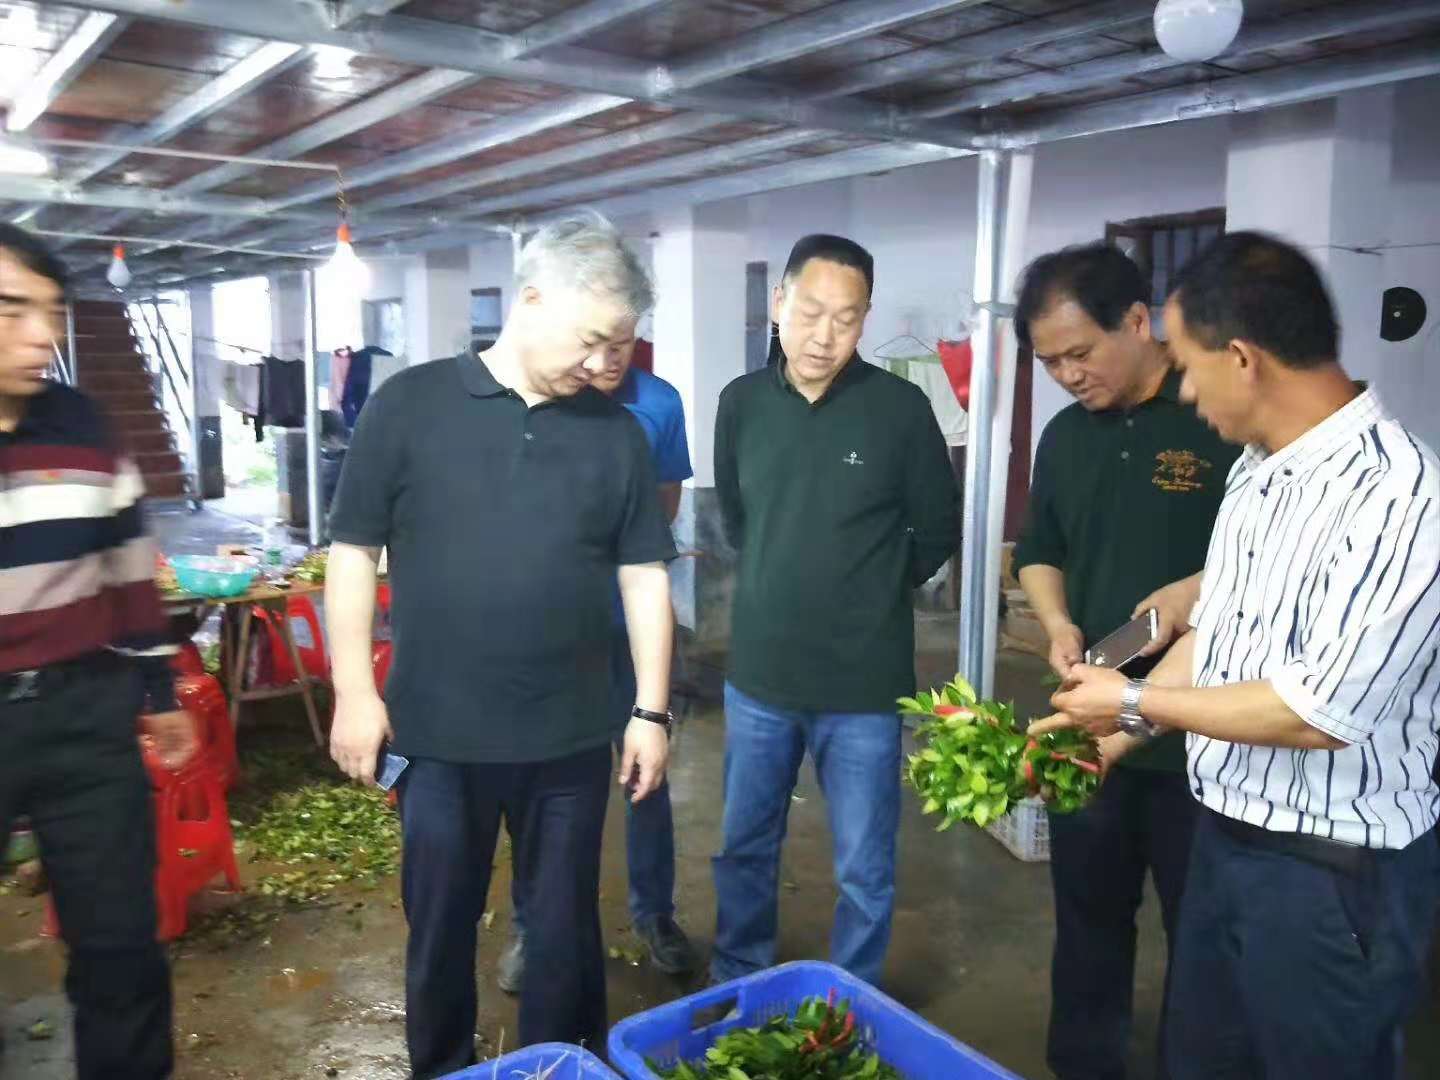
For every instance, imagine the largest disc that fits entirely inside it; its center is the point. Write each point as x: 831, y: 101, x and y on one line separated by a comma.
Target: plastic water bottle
x: 274, y: 545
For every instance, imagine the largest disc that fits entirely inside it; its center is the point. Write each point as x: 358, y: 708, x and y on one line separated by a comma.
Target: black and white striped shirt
x: 1323, y: 578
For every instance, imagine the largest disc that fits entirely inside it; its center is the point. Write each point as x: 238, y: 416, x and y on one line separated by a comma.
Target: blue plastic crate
x: 682, y: 1030
x: 574, y: 1064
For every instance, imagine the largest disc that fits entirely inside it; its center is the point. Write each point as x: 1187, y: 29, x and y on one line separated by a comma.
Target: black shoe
x: 670, y: 950
x: 510, y: 972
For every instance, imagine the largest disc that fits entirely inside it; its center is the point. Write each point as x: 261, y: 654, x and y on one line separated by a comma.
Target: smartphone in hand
x: 388, y: 767
x: 1119, y: 648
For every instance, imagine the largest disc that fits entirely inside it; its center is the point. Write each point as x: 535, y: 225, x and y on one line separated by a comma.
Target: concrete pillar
x: 208, y: 373
x: 1319, y: 175
x: 287, y: 315
x: 698, y: 258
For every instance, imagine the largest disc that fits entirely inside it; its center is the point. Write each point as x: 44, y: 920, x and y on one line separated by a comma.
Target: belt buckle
x: 25, y: 686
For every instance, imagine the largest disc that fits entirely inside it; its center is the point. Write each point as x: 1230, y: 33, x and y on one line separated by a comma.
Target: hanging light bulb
x: 332, y: 62
x: 119, y: 273
x: 17, y: 159
x: 345, y: 267
x: 1195, y: 30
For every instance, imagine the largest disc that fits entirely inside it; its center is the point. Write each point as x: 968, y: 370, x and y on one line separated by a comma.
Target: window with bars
x: 1161, y: 246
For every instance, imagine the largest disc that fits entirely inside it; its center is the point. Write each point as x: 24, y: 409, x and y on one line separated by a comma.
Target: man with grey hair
x: 511, y: 495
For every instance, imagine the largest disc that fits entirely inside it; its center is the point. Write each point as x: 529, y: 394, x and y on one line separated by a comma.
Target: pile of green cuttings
x: 328, y: 835
x: 818, y: 1043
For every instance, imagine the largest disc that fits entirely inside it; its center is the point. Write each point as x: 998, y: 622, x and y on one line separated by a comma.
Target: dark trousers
x: 71, y: 762
x: 1141, y: 820
x: 450, y: 817
x: 649, y: 824
x: 1289, y: 970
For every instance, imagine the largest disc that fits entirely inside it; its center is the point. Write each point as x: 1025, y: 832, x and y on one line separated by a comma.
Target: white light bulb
x: 119, y: 273
x: 345, y: 268
x: 1196, y: 30
x: 18, y: 160
x: 332, y: 62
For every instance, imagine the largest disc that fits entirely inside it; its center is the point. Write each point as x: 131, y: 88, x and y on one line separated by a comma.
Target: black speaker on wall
x: 1402, y: 313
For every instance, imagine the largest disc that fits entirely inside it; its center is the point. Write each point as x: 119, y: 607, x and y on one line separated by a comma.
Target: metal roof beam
x: 429, y: 43
x: 1282, y: 33
x: 823, y: 28
x: 372, y: 110
x: 986, y: 45
x: 577, y: 22
x: 151, y: 201
x: 1241, y: 93
x: 85, y: 43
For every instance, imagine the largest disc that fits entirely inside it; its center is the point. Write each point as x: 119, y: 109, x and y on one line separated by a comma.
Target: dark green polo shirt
x: 838, y: 510
x: 1123, y: 502
x: 506, y: 525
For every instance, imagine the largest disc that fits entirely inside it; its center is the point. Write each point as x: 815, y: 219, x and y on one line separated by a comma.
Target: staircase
x: 112, y: 369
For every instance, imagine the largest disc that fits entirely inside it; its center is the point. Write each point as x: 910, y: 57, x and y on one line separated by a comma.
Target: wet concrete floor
x: 322, y: 990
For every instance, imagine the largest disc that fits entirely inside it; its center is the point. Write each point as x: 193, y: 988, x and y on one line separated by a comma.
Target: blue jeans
x: 1291, y: 970
x: 857, y: 757
x: 649, y: 824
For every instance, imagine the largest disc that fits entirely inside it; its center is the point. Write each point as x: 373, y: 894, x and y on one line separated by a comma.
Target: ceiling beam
x: 86, y: 42
x: 985, y: 45
x: 428, y: 43
x: 578, y: 22
x: 1291, y: 85
x: 826, y: 27
x: 364, y: 113
x: 167, y: 202
x: 665, y: 169
x: 1281, y: 33
x: 268, y: 60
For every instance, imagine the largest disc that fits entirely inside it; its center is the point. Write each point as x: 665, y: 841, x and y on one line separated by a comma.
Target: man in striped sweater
x: 83, y: 655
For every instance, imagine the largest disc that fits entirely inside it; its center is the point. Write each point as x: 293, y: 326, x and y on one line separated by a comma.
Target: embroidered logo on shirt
x: 853, y: 458
x: 1179, y: 470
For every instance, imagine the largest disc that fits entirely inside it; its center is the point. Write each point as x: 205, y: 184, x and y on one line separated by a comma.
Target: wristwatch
x: 664, y: 719
x: 1130, y: 720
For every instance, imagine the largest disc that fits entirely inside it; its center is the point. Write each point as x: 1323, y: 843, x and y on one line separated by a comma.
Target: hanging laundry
x: 282, y: 392
x: 358, y: 382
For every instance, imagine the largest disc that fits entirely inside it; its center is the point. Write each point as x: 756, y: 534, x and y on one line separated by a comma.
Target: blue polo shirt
x: 657, y: 405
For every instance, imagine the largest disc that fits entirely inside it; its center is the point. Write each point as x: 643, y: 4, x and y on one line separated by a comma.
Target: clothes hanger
x: 879, y: 351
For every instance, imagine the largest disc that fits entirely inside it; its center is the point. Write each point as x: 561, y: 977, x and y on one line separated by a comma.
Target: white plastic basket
x: 1024, y: 831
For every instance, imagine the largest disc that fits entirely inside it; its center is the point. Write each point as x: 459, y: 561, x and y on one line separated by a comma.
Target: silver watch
x: 1130, y: 720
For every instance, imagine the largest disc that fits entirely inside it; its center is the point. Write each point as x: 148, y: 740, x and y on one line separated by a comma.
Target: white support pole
x: 312, y: 417
x: 977, y: 560
x: 1012, y: 254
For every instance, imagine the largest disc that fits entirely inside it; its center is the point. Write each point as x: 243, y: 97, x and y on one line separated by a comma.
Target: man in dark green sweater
x: 1126, y: 487
x: 836, y: 490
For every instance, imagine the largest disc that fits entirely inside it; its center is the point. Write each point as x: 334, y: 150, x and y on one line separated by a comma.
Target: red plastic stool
x: 194, y: 844
x: 188, y: 661
x: 204, y: 699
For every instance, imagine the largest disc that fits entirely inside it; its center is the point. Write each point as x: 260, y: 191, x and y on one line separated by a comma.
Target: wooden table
x: 237, y: 616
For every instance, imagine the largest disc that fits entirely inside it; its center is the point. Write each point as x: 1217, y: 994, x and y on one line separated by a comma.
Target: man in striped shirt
x: 1308, y: 687
x: 83, y: 653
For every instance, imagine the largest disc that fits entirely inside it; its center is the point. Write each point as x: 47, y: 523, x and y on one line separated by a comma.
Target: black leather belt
x: 1346, y: 858
x: 21, y: 686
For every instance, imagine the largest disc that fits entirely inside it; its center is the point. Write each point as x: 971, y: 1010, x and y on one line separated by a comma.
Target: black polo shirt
x: 839, y: 510
x: 1123, y: 501
x: 505, y: 526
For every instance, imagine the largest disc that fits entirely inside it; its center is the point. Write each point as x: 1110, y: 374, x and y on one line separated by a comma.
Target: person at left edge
x: 650, y: 824
x: 84, y: 651
x: 836, y: 490
x: 510, y: 495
